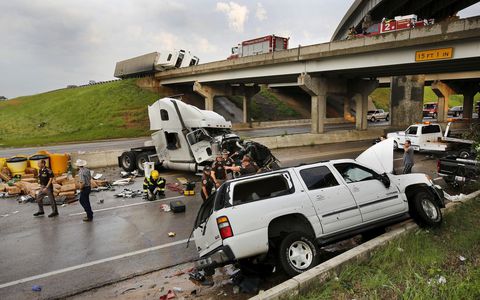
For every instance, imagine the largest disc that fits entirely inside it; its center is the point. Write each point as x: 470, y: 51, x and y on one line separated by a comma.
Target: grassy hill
x: 381, y: 98
x: 111, y: 110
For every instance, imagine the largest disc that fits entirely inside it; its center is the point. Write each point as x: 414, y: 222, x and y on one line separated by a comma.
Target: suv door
x: 375, y: 200
x: 333, y: 202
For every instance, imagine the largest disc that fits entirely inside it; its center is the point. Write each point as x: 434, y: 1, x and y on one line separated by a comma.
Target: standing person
x: 85, y: 188
x: 229, y: 162
x: 407, y: 157
x: 208, y: 183
x: 154, y: 186
x: 219, y: 173
x: 45, y: 176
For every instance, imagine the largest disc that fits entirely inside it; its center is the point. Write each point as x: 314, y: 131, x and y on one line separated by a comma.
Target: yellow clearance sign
x: 434, y: 54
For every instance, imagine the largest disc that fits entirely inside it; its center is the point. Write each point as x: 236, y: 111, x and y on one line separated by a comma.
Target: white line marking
x: 126, y: 205
x: 438, y: 178
x: 92, y: 263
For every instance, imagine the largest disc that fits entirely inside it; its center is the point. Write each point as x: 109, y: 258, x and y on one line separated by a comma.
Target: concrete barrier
x: 273, y: 124
x: 99, y: 159
x: 309, y: 139
x: 325, y: 271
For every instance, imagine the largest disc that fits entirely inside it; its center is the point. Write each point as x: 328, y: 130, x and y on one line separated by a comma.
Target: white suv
x: 288, y: 213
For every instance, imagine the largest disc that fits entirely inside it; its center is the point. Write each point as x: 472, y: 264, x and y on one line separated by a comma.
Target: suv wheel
x: 395, y: 145
x: 298, y: 253
x: 373, y: 119
x: 425, y: 210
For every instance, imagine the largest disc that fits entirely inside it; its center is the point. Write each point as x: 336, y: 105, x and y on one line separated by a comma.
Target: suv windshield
x: 370, y: 112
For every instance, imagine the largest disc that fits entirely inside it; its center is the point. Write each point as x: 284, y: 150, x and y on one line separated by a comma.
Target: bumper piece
x: 216, y: 258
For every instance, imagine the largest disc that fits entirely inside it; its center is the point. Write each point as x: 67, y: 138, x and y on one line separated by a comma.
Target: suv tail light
x: 224, y: 227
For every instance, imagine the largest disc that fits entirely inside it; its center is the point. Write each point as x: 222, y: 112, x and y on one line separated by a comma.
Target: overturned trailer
x: 187, y: 138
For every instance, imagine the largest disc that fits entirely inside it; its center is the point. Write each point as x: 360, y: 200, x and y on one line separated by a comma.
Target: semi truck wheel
x: 141, y: 158
x: 128, y: 161
x: 425, y: 211
x: 298, y: 253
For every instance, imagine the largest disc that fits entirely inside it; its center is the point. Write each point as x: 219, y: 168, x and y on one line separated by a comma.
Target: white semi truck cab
x: 184, y: 138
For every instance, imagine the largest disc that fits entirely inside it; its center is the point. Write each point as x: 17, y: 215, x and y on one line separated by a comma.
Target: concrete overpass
x: 346, y: 69
x: 378, y: 9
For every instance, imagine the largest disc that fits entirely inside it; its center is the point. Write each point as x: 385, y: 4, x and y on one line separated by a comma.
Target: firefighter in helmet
x: 154, y: 186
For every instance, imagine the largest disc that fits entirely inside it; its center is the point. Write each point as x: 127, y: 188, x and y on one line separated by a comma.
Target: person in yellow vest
x: 154, y: 186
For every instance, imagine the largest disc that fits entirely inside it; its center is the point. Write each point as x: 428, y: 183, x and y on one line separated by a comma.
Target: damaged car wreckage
x: 282, y: 217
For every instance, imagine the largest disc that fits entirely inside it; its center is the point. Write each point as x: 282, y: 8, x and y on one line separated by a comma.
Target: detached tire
x: 298, y: 253
x: 425, y: 211
x: 128, y: 161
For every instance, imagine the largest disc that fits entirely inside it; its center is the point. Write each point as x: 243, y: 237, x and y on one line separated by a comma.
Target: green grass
x: 381, y: 98
x: 266, y: 106
x: 410, y: 267
x: 112, y: 110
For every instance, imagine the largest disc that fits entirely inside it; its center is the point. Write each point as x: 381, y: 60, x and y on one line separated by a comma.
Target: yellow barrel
x: 17, y: 165
x: 3, y: 162
x: 59, y: 163
x: 35, y: 160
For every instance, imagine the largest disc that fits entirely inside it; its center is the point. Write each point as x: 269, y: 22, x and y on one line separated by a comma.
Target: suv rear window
x: 430, y: 129
x: 318, y: 178
x: 262, y: 188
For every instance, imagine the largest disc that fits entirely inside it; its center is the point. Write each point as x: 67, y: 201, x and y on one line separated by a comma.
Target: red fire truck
x: 262, y: 45
x: 399, y: 23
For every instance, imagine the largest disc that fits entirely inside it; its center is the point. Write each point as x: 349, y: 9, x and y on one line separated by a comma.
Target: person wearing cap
x: 85, y: 188
x: 208, y: 183
x: 219, y: 173
x: 229, y: 162
x: 45, y: 176
x: 154, y: 186
x: 247, y: 168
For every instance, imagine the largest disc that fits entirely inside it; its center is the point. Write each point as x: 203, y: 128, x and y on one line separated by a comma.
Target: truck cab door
x: 200, y: 144
x: 333, y: 202
x: 412, y: 134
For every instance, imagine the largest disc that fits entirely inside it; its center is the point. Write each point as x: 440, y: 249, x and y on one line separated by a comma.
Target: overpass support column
x: 443, y: 92
x: 248, y: 92
x: 406, y: 100
x: 469, y: 91
x: 210, y: 91
x: 360, y: 90
x: 316, y: 87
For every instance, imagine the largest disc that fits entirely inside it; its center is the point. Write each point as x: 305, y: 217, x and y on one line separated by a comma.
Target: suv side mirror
x: 384, y: 179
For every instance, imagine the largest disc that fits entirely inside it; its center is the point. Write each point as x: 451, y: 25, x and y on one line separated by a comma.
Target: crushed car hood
x: 379, y: 156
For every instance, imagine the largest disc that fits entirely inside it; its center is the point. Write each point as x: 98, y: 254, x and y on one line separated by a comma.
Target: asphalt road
x: 128, y: 236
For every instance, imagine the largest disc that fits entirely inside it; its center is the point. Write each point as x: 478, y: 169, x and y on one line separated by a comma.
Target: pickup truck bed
x: 455, y: 170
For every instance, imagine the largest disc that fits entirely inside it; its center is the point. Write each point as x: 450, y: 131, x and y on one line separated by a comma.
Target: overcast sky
x: 48, y: 44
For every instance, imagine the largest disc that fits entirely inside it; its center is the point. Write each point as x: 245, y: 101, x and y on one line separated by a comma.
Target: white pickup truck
x: 429, y: 138
x: 377, y: 115
x: 284, y: 216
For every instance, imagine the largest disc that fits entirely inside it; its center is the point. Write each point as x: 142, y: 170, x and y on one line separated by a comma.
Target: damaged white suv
x: 288, y: 213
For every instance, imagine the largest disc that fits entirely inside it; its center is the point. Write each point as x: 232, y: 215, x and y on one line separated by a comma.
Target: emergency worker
x: 246, y: 168
x: 219, y: 173
x: 154, y: 186
x: 208, y: 183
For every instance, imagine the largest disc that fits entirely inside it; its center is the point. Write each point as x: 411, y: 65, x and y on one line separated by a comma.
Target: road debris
x: 125, y: 181
x: 165, y: 207
x: 36, y: 288
x: 455, y: 198
x: 169, y: 295
x: 462, y: 258
x: 172, y: 234
x: 128, y: 193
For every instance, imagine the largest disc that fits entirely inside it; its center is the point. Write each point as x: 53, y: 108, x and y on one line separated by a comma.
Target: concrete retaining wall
x: 309, y: 139
x: 273, y: 124
x: 99, y: 159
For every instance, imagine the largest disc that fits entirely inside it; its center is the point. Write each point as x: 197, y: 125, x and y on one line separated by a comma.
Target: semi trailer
x: 154, y: 62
